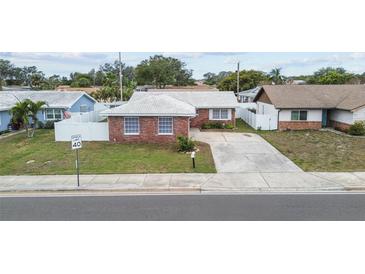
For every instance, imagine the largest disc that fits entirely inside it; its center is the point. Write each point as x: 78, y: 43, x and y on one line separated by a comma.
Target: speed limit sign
x: 76, y: 142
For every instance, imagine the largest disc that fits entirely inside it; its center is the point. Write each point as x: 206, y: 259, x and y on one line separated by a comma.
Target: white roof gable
x: 158, y: 105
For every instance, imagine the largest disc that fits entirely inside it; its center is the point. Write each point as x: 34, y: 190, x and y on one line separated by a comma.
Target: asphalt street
x: 332, y: 206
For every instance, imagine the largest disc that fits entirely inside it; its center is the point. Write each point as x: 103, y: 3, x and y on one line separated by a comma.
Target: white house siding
x: 342, y: 116
x: 267, y: 109
x: 359, y: 115
x: 314, y: 115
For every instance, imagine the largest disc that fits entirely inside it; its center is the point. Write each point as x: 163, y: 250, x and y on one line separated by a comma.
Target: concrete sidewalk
x: 189, y: 182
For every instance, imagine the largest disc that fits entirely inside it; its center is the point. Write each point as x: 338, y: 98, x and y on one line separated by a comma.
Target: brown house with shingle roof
x: 313, y: 106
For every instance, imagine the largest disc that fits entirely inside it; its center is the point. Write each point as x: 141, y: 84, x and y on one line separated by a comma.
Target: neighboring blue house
x: 4, y: 120
x: 58, y: 104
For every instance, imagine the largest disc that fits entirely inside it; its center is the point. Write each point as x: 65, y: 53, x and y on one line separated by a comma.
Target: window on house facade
x: 84, y: 108
x: 165, y: 125
x: 131, y: 125
x: 53, y: 114
x: 299, y: 115
x: 220, y: 114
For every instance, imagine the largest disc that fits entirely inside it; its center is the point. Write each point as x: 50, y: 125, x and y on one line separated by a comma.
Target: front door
x: 324, y: 117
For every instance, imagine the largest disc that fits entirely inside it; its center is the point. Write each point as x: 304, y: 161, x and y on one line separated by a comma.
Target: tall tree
x: 81, y: 80
x: 331, y: 76
x: 37, y: 79
x: 20, y: 114
x: 28, y: 73
x: 276, y: 77
x: 211, y: 78
x: 161, y: 71
x: 127, y: 71
x: 5, y: 71
x: 33, y: 109
x: 248, y: 79
x: 110, y: 91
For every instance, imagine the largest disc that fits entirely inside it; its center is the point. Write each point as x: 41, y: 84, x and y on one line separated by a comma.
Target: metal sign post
x: 76, y: 144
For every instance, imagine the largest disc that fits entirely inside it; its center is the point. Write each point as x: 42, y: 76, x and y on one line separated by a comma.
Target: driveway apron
x: 244, y: 152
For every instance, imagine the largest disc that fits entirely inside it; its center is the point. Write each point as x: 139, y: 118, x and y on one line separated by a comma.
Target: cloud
x: 55, y: 56
x: 196, y: 55
x: 184, y: 55
x: 334, y: 59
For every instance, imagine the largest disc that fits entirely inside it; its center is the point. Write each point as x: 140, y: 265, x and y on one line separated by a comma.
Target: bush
x: 358, y: 129
x: 212, y: 125
x: 229, y: 126
x: 217, y: 125
x: 185, y: 144
x: 49, y: 125
x: 40, y: 124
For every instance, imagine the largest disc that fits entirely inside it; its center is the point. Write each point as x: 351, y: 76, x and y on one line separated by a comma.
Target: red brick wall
x: 299, y: 125
x: 340, y: 126
x: 148, y: 130
x: 203, y: 117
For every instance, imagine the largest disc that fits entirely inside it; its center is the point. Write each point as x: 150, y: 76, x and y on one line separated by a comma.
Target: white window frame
x: 229, y: 116
x: 172, y: 126
x: 299, y: 111
x: 124, y: 126
x: 54, y: 114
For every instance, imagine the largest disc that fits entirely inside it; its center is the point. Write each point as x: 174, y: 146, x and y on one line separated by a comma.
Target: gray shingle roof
x: 158, y: 105
x: 346, y: 97
x: 250, y: 92
x: 54, y: 99
x: 173, y: 103
x: 203, y: 99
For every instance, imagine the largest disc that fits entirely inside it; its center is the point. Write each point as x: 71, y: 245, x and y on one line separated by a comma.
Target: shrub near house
x: 357, y: 129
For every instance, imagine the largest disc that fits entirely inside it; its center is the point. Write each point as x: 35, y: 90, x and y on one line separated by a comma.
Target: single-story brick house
x: 159, y: 117
x: 313, y: 106
x: 58, y: 104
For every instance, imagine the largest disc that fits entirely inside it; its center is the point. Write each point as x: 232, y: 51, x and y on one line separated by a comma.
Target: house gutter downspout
x: 278, y: 119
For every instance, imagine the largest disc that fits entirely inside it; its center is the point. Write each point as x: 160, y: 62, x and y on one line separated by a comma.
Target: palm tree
x: 20, y: 113
x: 276, y: 77
x: 33, y: 109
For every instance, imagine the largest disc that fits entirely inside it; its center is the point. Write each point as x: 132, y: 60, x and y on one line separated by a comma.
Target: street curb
x: 355, y: 188
x: 88, y: 190
x: 151, y: 190
x: 255, y: 189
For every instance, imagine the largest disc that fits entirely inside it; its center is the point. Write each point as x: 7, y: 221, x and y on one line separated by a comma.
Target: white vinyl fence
x: 247, y: 106
x: 89, y: 131
x: 258, y: 121
x: 86, y: 117
x: 87, y: 124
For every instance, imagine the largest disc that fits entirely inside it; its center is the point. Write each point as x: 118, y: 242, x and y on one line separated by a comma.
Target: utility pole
x: 120, y: 77
x: 238, y: 77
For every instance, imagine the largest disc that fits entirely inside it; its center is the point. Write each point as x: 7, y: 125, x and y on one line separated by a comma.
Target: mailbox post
x: 193, y: 158
x: 76, y: 144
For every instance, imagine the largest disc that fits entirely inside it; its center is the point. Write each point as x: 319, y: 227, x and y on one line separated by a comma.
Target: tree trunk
x: 26, y: 129
x: 34, y: 126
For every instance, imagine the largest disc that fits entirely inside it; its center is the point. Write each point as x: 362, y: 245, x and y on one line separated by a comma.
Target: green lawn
x: 316, y: 150
x: 242, y: 126
x: 96, y: 157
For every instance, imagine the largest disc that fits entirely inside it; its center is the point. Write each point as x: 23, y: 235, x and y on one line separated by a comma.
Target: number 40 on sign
x: 76, y: 142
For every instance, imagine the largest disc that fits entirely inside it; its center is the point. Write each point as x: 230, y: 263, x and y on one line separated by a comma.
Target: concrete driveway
x: 244, y: 152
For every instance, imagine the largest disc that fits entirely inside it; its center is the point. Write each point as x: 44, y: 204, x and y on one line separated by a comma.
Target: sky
x: 292, y: 63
